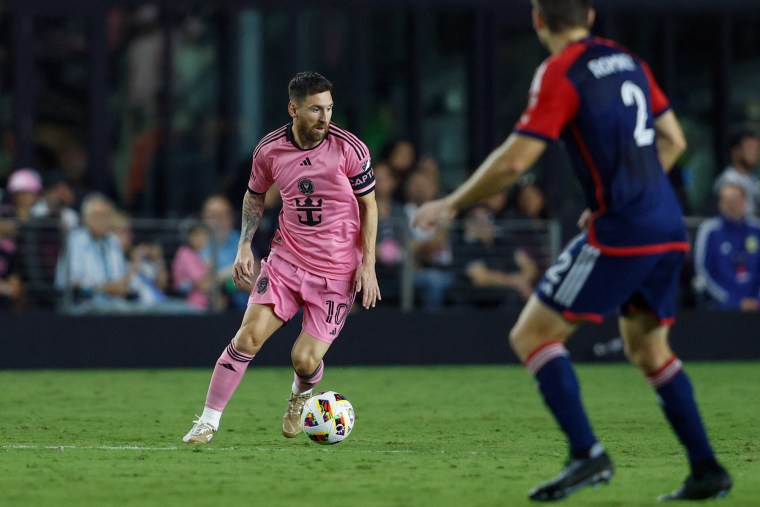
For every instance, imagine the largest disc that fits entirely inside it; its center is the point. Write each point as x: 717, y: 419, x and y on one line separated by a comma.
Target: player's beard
x: 312, y: 135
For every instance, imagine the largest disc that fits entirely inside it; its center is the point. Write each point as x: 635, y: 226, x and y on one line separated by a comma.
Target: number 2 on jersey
x: 633, y: 95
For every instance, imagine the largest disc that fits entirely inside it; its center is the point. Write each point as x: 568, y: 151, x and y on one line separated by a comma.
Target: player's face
x: 311, y: 117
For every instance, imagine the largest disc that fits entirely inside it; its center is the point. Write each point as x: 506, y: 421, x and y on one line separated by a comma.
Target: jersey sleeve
x: 359, y: 170
x: 659, y: 101
x: 261, y: 173
x: 552, y: 103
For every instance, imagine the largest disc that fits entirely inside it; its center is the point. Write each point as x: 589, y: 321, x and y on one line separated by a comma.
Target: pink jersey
x: 319, y: 223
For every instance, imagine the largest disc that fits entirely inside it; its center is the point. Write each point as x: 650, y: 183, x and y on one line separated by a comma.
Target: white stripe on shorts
x: 577, y: 276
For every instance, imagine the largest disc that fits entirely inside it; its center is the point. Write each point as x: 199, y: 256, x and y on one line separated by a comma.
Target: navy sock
x: 676, y: 398
x: 561, y: 391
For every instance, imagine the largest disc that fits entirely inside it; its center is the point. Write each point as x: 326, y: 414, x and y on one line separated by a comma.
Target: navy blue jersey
x: 602, y: 101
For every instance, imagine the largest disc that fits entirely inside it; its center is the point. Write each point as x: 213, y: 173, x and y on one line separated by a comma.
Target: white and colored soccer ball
x: 327, y: 418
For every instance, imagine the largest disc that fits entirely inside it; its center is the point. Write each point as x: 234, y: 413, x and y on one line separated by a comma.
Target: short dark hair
x: 564, y: 14
x: 307, y: 83
x: 736, y: 139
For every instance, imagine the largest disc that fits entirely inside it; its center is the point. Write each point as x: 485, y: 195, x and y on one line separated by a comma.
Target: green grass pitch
x: 437, y: 436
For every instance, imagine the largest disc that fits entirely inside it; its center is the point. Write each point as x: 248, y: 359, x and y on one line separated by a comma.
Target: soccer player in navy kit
x: 622, y: 137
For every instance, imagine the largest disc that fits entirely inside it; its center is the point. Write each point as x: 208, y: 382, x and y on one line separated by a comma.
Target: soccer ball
x: 327, y: 418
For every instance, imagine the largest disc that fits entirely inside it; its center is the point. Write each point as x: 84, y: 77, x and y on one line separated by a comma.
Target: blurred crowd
x: 64, y: 247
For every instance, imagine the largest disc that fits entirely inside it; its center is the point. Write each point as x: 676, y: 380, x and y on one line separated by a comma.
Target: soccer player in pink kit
x: 322, y: 255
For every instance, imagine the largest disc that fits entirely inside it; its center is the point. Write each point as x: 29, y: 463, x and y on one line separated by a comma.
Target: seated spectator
x: 148, y: 275
x: 221, y: 252
x: 24, y: 188
x: 11, y: 286
x: 401, y: 156
x: 93, y: 268
x: 744, y: 154
x: 391, y: 227
x: 431, y: 250
x: 492, y: 259
x: 191, y: 274
x: 727, y: 253
x: 57, y: 201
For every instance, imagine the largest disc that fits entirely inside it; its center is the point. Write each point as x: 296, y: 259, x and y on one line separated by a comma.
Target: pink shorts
x: 287, y: 288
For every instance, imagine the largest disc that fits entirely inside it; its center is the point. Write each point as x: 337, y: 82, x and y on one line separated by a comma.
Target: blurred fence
x: 42, y: 243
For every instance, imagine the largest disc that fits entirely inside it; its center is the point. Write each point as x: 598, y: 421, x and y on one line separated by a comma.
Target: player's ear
x: 292, y: 109
x: 538, y: 19
x: 591, y: 17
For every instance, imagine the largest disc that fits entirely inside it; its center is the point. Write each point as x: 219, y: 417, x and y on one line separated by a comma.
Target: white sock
x: 211, y: 417
x: 294, y: 390
x: 596, y: 450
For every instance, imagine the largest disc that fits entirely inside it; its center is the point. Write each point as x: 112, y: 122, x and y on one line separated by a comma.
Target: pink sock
x: 304, y: 384
x: 228, y: 372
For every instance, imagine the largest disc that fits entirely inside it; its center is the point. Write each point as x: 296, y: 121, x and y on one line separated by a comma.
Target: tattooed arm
x: 244, y: 267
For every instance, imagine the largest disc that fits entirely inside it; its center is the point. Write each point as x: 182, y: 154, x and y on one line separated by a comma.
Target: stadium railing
x: 41, y: 242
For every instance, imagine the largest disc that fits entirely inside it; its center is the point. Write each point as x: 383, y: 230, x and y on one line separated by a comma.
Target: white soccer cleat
x: 201, y: 433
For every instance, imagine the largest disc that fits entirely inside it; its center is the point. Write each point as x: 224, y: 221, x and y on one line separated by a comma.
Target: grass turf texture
x: 475, y: 436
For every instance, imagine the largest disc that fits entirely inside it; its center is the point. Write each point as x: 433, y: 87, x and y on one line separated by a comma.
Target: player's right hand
x: 433, y: 214
x: 243, y: 269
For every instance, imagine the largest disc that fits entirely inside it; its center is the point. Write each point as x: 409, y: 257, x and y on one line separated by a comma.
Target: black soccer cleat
x: 578, y: 474
x: 716, y: 483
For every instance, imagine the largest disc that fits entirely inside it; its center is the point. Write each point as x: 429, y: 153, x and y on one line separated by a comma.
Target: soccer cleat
x: 716, y: 483
x: 578, y: 474
x: 201, y: 433
x: 291, y: 421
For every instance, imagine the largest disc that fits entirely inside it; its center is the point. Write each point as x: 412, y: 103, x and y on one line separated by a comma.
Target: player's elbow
x: 679, y: 145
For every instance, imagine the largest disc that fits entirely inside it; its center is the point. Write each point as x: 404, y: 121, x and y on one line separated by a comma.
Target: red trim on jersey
x: 633, y: 308
x: 622, y: 251
x: 586, y: 154
x: 591, y: 317
x: 553, y: 101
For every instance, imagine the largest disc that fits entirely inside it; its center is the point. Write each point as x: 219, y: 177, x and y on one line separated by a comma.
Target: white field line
x: 170, y: 448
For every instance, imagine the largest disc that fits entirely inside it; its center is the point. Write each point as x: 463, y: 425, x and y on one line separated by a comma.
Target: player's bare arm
x: 366, y: 278
x: 671, y: 142
x: 497, y: 172
x: 243, y: 268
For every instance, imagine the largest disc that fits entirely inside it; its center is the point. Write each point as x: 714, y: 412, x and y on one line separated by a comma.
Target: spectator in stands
x: 221, y: 252
x: 57, y: 201
x: 744, y: 154
x: 391, y: 229
x: 148, y: 275
x: 529, y: 200
x: 93, y: 267
x: 24, y: 188
x: 11, y: 286
x: 431, y: 251
x: 493, y: 258
x: 190, y: 272
x: 727, y: 252
x: 401, y: 156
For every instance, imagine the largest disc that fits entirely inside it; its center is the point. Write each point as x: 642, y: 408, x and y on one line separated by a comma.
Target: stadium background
x: 198, y: 83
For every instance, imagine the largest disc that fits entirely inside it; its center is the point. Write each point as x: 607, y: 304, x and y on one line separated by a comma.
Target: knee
x: 648, y: 358
x: 521, y: 343
x: 249, y: 339
x: 304, y: 364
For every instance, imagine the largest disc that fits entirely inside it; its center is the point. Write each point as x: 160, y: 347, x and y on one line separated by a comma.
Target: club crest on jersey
x: 311, y: 208
x: 306, y: 186
x: 262, y: 285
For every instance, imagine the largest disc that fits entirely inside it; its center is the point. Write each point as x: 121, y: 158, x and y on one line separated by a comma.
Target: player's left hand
x: 434, y: 214
x: 365, y: 281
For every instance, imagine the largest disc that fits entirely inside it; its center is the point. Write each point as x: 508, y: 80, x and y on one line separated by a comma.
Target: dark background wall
x: 377, y: 337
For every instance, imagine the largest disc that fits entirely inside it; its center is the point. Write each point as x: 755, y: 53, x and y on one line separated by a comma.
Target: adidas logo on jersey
x: 306, y: 161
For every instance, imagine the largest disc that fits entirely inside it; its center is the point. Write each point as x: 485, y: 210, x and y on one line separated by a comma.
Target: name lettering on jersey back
x: 607, y: 65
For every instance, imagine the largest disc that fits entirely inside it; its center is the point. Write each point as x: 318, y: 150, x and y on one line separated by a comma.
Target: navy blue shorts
x: 584, y: 284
